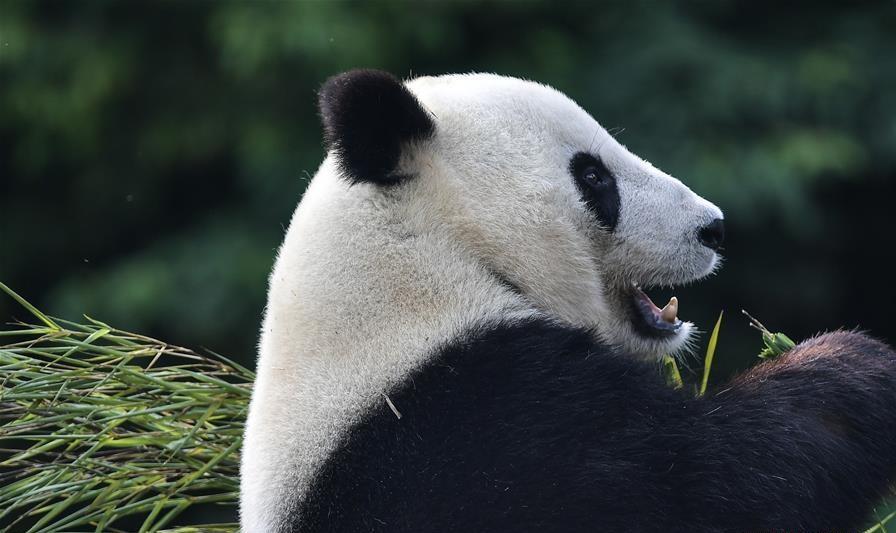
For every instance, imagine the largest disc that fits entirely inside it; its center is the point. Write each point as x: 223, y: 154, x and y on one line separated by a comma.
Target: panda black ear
x: 368, y: 116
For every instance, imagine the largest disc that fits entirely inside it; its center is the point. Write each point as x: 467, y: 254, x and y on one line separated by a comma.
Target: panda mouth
x: 651, y: 321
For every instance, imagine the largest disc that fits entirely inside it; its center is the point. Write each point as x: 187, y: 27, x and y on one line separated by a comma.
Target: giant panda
x: 457, y: 338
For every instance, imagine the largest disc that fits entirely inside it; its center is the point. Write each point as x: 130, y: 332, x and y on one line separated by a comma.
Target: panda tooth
x: 670, y: 312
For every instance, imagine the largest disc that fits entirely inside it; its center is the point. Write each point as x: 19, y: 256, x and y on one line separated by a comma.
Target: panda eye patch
x: 597, y: 186
x: 585, y: 167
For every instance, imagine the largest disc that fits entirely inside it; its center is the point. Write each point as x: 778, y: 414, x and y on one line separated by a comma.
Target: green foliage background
x: 151, y: 153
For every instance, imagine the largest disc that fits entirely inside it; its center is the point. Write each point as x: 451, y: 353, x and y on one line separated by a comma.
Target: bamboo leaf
x: 710, y: 354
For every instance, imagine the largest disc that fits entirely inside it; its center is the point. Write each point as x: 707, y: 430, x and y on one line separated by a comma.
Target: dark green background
x: 151, y: 154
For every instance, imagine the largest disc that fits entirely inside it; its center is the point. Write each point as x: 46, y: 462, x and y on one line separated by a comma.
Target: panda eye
x: 590, y: 171
x: 593, y: 175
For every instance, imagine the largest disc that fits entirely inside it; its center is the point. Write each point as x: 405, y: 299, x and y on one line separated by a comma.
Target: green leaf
x: 710, y: 354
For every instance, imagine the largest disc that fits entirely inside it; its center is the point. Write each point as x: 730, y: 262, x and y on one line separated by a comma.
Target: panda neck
x: 355, y: 303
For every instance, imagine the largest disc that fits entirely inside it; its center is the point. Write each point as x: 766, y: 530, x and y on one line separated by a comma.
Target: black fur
x: 368, y: 115
x: 534, y: 427
x: 598, y: 188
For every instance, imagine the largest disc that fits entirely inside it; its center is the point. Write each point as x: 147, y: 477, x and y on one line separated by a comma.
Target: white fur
x: 370, y: 280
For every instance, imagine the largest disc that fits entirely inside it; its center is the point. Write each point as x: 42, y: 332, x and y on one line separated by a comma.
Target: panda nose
x: 712, y: 235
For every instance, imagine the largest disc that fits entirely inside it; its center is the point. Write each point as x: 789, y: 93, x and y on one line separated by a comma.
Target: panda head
x: 521, y: 179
